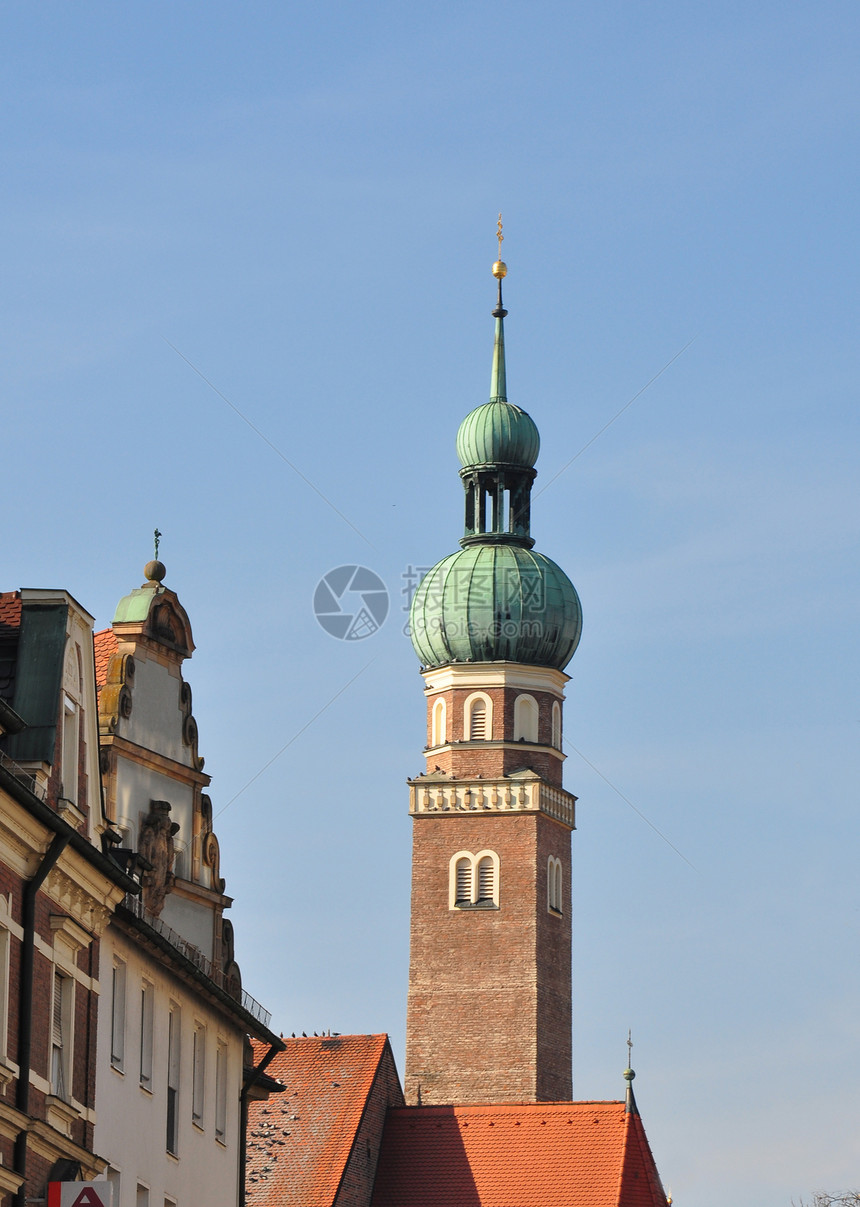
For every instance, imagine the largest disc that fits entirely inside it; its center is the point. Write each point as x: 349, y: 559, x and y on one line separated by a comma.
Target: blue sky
x: 300, y: 202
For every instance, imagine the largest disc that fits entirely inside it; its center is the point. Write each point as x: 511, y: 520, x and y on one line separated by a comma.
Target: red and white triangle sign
x: 80, y: 1194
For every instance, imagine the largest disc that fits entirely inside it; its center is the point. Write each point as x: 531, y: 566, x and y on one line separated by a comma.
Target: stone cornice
x: 153, y: 761
x: 495, y: 674
x: 53, y: 1145
x: 525, y: 747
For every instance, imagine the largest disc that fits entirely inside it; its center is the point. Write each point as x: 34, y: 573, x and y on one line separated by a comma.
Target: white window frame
x: 71, y: 743
x: 554, y: 886
x: 119, y: 977
x: 4, y: 990
x: 174, y: 1071
x: 474, y: 862
x: 526, y: 719
x: 468, y: 705
x: 439, y: 722
x: 147, y: 1029
x: 222, y: 1070
x: 198, y: 1075
x: 60, y: 1065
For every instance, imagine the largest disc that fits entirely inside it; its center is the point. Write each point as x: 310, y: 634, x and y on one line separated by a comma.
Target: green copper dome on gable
x: 498, y: 433
x: 496, y: 599
x: 488, y: 603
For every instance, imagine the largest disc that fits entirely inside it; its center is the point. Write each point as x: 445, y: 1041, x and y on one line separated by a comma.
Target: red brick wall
x: 356, y: 1186
x: 489, y: 1008
x: 484, y: 759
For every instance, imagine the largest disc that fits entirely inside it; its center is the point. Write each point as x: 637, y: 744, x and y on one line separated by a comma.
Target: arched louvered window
x: 525, y: 719
x: 556, y: 725
x: 438, y: 724
x: 479, y: 718
x: 463, y: 880
x: 486, y: 879
x: 474, y: 880
x: 554, y: 885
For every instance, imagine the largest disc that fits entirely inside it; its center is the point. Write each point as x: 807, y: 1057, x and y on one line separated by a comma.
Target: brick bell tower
x: 494, y: 625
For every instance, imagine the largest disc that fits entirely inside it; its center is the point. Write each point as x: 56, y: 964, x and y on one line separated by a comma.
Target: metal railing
x: 29, y: 781
x: 201, y: 962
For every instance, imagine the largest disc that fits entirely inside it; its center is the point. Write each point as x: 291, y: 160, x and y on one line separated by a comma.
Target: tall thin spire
x: 498, y: 381
x: 630, y: 1107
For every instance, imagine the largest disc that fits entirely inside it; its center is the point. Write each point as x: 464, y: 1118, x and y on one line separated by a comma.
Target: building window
x: 463, y: 877
x: 142, y: 1199
x: 556, y: 725
x: 61, y: 1036
x: 525, y: 719
x: 71, y: 748
x: 221, y: 1093
x: 474, y: 880
x: 4, y: 990
x: 147, y: 995
x: 198, y: 1085
x: 438, y: 724
x: 174, y: 1028
x: 554, y: 885
x: 117, y: 1018
x: 478, y: 711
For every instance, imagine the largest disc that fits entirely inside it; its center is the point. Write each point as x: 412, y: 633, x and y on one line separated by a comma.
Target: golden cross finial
x: 500, y: 236
x: 629, y: 1048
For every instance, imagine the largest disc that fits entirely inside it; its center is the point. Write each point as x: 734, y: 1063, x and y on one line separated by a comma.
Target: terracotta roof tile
x: 560, y: 1154
x: 104, y: 645
x: 299, y: 1141
x: 10, y: 611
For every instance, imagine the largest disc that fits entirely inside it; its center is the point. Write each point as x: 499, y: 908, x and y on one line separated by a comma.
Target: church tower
x: 493, y: 625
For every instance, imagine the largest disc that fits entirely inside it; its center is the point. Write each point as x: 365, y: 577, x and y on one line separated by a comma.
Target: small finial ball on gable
x: 154, y: 572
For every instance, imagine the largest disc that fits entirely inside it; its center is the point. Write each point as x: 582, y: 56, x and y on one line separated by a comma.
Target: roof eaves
x: 189, y: 969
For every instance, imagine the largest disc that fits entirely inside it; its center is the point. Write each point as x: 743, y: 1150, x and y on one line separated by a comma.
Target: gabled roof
x: 104, y: 645
x: 559, y: 1154
x: 300, y: 1141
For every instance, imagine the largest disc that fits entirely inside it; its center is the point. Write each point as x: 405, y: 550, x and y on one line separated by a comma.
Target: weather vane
x: 500, y: 236
x: 158, y: 535
x: 629, y: 1048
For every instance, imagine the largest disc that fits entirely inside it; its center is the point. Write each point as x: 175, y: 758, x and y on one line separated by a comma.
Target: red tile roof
x: 299, y: 1141
x: 560, y: 1154
x: 104, y: 645
x: 10, y: 610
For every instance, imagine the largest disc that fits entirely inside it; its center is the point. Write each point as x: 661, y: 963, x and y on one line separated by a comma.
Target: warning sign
x: 80, y: 1194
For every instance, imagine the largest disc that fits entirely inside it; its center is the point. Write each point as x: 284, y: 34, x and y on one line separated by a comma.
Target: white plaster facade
x: 173, y: 1024
x: 132, y: 1087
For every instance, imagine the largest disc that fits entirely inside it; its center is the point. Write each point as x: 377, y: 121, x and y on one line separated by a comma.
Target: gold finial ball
x: 500, y: 269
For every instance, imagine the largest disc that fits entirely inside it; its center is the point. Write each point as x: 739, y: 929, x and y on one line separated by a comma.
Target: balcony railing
x: 135, y: 906
x: 29, y: 781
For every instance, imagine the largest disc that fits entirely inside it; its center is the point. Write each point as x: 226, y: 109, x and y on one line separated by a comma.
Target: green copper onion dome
x: 498, y: 433
x: 496, y: 599
x: 494, y: 602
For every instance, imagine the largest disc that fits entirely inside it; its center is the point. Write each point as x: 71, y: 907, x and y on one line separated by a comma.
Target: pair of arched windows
x: 473, y: 880
x: 478, y: 720
x: 554, y: 899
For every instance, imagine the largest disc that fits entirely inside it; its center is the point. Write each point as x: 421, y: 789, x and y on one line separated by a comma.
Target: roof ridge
x: 382, y: 1049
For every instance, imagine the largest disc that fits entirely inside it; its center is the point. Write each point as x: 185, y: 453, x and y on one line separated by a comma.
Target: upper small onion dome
x: 498, y: 433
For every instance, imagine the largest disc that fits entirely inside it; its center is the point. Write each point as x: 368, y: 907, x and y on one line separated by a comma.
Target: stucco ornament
x: 158, y: 849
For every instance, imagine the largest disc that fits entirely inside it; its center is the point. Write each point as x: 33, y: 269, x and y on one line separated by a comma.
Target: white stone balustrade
x: 428, y: 796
